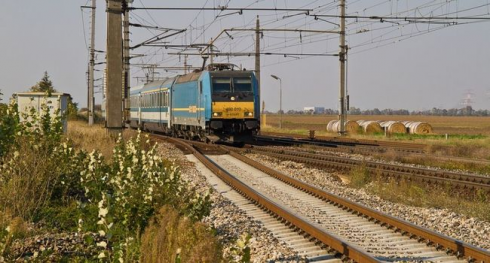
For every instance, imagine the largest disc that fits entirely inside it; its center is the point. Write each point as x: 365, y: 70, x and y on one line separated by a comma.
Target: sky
x: 397, y: 65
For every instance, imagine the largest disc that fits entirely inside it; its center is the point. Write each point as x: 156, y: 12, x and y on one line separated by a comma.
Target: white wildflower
x: 110, y: 225
x: 103, y: 212
x: 7, y: 229
x: 101, y: 255
x: 101, y: 221
x: 102, y: 244
x: 101, y: 233
x: 80, y: 222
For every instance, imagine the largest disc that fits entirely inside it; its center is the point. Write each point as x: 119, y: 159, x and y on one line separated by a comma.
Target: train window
x: 221, y: 85
x: 242, y: 84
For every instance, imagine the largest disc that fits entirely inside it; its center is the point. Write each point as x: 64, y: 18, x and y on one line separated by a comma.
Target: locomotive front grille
x: 233, y: 110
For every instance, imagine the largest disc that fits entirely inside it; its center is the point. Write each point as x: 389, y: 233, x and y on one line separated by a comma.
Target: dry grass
x: 467, y: 136
x: 441, y: 124
x: 474, y: 204
x: 433, y: 161
x: 95, y: 137
x: 171, y: 236
x: 28, y: 184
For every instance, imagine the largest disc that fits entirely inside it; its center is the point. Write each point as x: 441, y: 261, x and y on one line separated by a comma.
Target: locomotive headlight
x: 249, y: 114
x: 217, y: 114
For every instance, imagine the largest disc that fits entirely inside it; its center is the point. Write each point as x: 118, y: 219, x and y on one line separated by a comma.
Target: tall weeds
x: 44, y: 179
x: 171, y: 237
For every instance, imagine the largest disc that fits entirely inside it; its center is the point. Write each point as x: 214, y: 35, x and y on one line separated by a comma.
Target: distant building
x: 27, y: 101
x: 314, y: 110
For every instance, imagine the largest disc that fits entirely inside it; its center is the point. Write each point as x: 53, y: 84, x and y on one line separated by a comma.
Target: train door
x: 160, y: 105
x: 199, y: 104
x: 139, y: 109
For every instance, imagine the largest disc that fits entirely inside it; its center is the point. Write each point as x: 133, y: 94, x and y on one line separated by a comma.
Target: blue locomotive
x: 216, y: 104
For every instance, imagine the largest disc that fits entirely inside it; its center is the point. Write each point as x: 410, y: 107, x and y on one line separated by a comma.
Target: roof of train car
x: 193, y: 76
x: 152, y: 86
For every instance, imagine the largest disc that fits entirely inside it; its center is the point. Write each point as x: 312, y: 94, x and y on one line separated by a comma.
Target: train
x: 219, y: 103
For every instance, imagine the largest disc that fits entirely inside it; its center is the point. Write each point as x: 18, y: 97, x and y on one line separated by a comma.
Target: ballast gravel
x: 228, y: 220
x: 467, y: 229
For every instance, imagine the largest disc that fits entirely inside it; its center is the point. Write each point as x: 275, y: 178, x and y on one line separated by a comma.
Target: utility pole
x: 126, y: 56
x: 114, y: 105
x: 210, y: 51
x: 91, y: 70
x: 257, y: 56
x: 185, y: 64
x: 342, y: 58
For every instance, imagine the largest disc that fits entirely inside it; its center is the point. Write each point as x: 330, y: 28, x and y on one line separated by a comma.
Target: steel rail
x: 370, y: 147
x: 460, y: 248
x: 339, y: 145
x: 460, y: 180
x: 356, y: 142
x: 345, y: 248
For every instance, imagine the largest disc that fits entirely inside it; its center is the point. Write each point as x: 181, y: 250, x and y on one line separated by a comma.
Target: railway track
x: 364, y: 147
x: 352, y: 230
x: 343, y: 144
x: 458, y: 180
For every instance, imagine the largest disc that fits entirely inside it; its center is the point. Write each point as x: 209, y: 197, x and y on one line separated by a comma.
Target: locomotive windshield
x: 224, y: 85
x: 242, y: 84
x: 221, y: 85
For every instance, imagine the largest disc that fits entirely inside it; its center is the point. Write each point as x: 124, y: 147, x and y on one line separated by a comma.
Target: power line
x: 223, y: 8
x: 251, y: 54
x: 406, y: 18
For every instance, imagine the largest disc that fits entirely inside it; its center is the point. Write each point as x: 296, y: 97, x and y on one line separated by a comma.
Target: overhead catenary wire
x: 354, y: 27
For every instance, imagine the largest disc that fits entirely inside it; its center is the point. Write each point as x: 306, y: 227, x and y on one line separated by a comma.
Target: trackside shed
x: 57, y: 103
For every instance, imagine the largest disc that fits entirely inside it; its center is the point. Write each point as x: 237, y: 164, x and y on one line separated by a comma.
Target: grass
x: 451, y: 125
x: 173, y: 238
x: 94, y: 137
x: 467, y: 136
x: 474, y: 204
x: 433, y: 161
x: 168, y: 231
x: 42, y: 191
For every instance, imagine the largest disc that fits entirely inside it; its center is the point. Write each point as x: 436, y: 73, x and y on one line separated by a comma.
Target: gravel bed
x: 229, y: 221
x: 368, y: 158
x: 51, y: 247
x: 300, y: 203
x: 464, y: 228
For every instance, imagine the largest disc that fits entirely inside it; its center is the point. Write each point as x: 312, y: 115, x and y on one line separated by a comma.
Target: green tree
x: 72, y: 109
x: 44, y: 85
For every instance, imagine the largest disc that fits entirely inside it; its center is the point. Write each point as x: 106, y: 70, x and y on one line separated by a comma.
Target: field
x: 441, y: 124
x: 467, y: 136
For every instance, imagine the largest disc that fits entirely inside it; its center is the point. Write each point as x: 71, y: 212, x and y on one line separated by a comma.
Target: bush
x: 129, y: 190
x: 171, y: 236
x: 37, y: 163
x: 359, y: 176
x: 42, y: 178
x: 9, y: 126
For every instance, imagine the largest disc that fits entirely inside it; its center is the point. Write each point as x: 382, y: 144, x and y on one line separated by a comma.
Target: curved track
x: 362, y: 146
x: 459, y: 180
x: 341, y: 208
